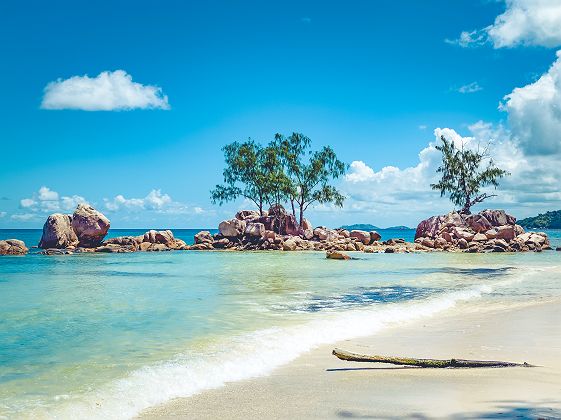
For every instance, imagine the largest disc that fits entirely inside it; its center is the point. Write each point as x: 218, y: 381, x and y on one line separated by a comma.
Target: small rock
x: 232, y: 228
x: 255, y: 229
x: 203, y: 237
x: 289, y: 245
x: 13, y: 247
x: 247, y: 214
x: 337, y: 255
x: 374, y: 236
x: 480, y: 237
x: 361, y: 235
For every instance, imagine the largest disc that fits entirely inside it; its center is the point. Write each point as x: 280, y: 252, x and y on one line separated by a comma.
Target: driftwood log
x: 425, y: 363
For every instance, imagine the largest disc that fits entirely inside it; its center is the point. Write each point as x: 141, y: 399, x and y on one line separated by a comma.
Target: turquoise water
x: 107, y: 335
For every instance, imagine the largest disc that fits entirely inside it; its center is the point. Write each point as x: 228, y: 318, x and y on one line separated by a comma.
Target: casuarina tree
x: 310, y: 172
x: 243, y: 175
x: 464, y: 173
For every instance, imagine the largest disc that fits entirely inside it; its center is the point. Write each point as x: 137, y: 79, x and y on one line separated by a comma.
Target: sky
x: 126, y: 104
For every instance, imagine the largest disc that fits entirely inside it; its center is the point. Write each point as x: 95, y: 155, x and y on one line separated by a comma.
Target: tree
x: 277, y: 184
x: 243, y: 175
x: 309, y: 172
x: 464, y: 173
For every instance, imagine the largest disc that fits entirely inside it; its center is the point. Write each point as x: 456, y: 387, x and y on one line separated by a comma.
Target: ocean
x: 108, y: 335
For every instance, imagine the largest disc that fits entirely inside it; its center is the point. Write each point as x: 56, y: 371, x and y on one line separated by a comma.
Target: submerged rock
x: 337, y: 255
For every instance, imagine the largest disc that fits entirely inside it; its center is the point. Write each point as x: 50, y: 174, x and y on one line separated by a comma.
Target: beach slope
x: 317, y: 385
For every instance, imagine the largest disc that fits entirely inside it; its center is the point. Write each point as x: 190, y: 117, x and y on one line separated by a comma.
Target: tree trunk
x: 424, y: 363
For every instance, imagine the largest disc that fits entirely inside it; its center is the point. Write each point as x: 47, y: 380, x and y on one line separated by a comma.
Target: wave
x: 248, y: 356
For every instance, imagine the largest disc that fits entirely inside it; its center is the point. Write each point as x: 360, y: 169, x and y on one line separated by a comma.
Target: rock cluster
x: 85, y: 229
x: 12, y: 247
x: 277, y: 230
x: 487, y: 231
x: 153, y: 240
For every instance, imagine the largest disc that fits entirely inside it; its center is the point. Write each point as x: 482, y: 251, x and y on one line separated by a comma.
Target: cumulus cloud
x: 403, y: 195
x: 470, y: 88
x: 534, y: 112
x: 524, y: 22
x: 108, y: 91
x: 25, y: 217
x: 527, y: 22
x: 155, y: 201
x: 2, y: 214
x: 46, y: 200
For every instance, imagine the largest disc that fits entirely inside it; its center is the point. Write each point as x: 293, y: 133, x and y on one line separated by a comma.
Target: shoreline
x: 317, y: 385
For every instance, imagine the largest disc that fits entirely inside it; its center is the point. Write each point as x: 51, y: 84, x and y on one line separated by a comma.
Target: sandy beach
x: 317, y: 385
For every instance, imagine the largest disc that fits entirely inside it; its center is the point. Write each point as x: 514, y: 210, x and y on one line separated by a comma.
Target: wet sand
x: 318, y: 385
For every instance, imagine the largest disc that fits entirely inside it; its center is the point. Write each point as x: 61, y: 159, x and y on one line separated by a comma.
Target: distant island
x: 369, y: 227
x: 548, y: 220
x: 360, y: 226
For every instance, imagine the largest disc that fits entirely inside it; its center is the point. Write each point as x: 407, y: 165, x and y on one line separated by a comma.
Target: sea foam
x: 243, y: 357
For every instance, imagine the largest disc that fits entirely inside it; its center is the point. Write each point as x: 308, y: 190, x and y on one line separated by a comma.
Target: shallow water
x: 107, y: 335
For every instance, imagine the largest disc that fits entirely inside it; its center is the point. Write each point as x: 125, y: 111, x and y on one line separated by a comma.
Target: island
x: 547, y: 220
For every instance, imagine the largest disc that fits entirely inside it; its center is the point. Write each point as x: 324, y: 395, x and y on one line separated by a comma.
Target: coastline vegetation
x: 548, y: 220
x: 464, y: 173
x: 286, y: 171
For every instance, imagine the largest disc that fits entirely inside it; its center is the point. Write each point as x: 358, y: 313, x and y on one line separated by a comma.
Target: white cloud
x: 359, y: 171
x: 26, y: 217
x: 46, y: 200
x: 403, y: 195
x: 470, y: 88
x: 524, y: 22
x: 469, y: 39
x: 27, y: 202
x: 534, y: 112
x: 108, y: 91
x: 46, y: 194
x: 155, y: 201
x: 527, y: 22
x: 2, y: 214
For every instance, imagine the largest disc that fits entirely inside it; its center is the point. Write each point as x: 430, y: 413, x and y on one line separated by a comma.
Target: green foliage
x: 244, y: 174
x: 360, y: 226
x: 309, y: 172
x: 463, y: 177
x: 286, y: 170
x: 548, y: 220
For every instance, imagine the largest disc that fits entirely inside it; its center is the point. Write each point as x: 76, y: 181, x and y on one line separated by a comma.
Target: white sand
x: 317, y: 385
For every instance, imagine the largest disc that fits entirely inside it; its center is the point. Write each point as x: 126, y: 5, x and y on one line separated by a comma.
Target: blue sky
x: 373, y: 79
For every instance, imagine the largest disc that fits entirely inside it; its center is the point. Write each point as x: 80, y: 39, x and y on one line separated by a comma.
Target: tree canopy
x: 464, y: 173
x: 287, y: 170
x: 310, y: 172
